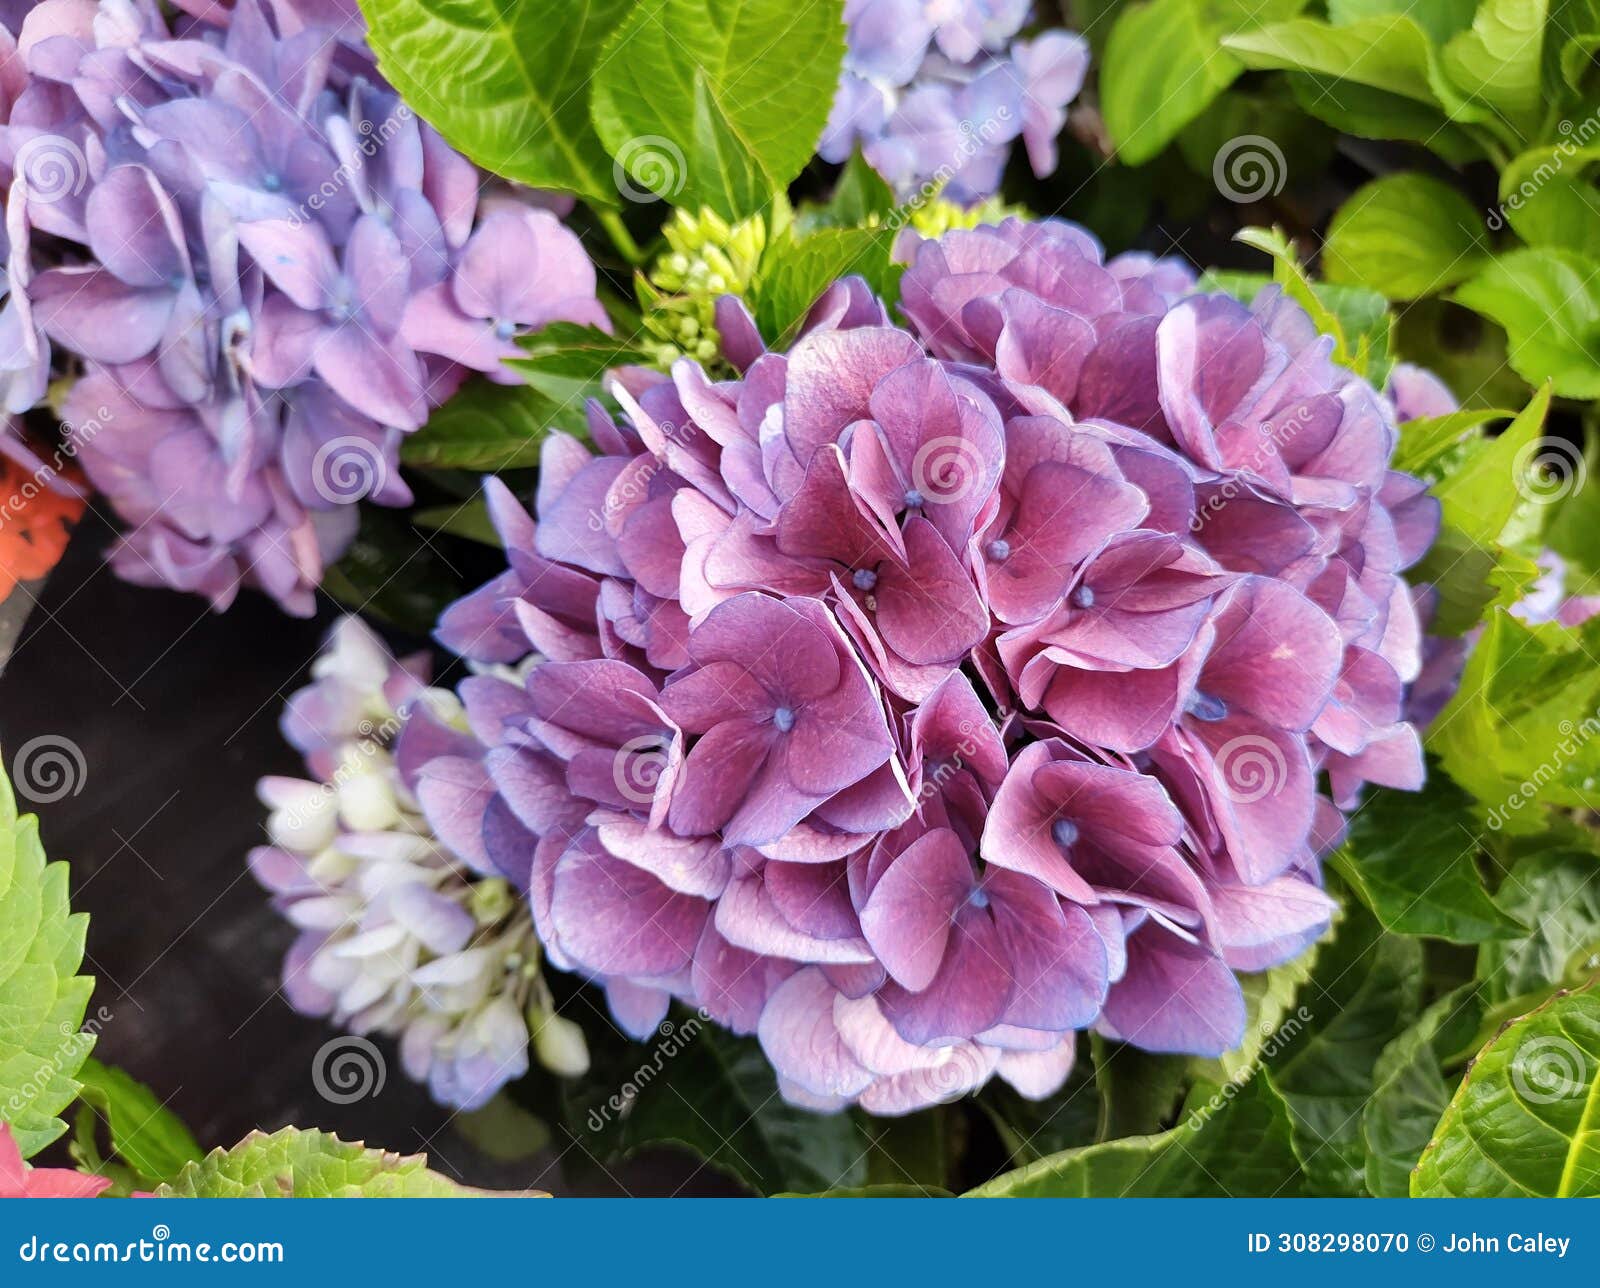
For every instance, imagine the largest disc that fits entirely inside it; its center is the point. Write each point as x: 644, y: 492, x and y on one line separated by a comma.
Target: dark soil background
x: 175, y: 709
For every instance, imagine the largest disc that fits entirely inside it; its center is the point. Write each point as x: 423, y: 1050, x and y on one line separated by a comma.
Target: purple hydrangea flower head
x: 936, y: 91
x: 927, y: 695
x: 270, y: 269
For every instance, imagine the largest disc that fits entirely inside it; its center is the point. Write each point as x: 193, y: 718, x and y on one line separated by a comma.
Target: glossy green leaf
x: 1232, y: 1142
x: 1388, y: 52
x: 1162, y: 68
x: 567, y: 362
x: 1519, y: 733
x: 42, y: 996
x: 1524, y: 1122
x: 505, y: 81
x: 1499, y: 61
x: 1411, y: 1090
x: 1412, y: 859
x: 718, y: 103
x: 716, y: 1095
x: 486, y: 427
x: 1405, y: 235
x: 1549, y: 303
x: 292, y: 1163
x: 1363, y: 992
x: 1556, y: 896
x: 795, y: 271
x: 145, y: 1135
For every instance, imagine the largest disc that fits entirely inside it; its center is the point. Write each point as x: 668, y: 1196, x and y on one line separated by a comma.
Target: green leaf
x: 1140, y: 1091
x: 1487, y: 483
x: 1429, y: 445
x: 716, y: 1095
x: 484, y: 426
x: 1549, y: 303
x: 1162, y: 68
x: 911, y: 1151
x: 1388, y: 52
x: 1499, y: 60
x: 1524, y: 1122
x: 42, y: 996
x: 1510, y: 737
x: 1232, y: 1142
x: 1548, y: 197
x: 567, y: 362
x: 1439, y: 19
x: 505, y: 81
x: 1411, y: 1091
x: 1404, y: 235
x: 1358, y: 319
x: 145, y: 1134
x: 292, y: 1163
x: 718, y: 103
x: 469, y: 519
x: 1411, y: 857
x: 1272, y: 1018
x: 1556, y: 896
x: 795, y: 273
x: 1363, y: 992
x: 1371, y: 113
x: 859, y: 197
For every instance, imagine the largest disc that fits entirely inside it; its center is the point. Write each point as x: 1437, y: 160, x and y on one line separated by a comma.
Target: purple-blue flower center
x: 1083, y: 597
x: 783, y: 717
x: 1064, y: 832
x: 504, y: 329
x: 913, y: 499
x: 978, y: 898
x: 864, y: 578
x: 999, y: 550
x: 1202, y: 706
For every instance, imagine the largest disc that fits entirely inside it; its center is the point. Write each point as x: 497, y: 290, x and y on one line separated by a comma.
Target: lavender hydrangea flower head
x: 270, y: 269
x: 936, y: 91
x: 925, y: 696
x: 395, y: 937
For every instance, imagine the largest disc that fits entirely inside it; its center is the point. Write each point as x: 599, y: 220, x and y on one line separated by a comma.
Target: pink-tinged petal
x: 1276, y: 654
x: 1038, y: 1075
x: 732, y: 983
x: 637, y: 1008
x: 380, y: 378
x: 1284, y: 910
x: 616, y: 919
x: 135, y: 230
x: 454, y: 793
x: 717, y: 775
x: 814, y: 898
x: 1057, y: 961
x: 909, y: 915
x: 929, y: 613
x: 1176, y: 996
x: 1259, y: 784
x: 748, y: 916
x: 966, y: 996
x: 689, y: 866
x: 825, y: 519
x: 798, y: 1033
x: 1122, y: 711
